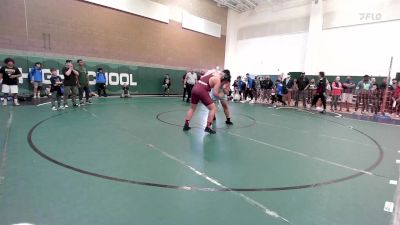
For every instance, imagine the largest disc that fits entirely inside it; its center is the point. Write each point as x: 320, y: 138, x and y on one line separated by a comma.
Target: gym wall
x: 357, y: 37
x: 141, y: 79
x: 82, y: 29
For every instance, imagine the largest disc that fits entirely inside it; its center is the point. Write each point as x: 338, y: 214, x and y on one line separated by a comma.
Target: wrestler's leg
x: 226, y: 112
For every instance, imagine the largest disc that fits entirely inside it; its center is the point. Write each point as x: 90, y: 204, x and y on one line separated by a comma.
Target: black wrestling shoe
x: 228, y: 122
x: 186, y: 127
x: 209, y: 130
x: 323, y: 111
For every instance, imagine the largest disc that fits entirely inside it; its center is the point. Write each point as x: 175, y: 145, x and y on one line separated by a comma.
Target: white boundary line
x: 396, y: 214
x: 320, y: 135
x: 92, y: 114
x: 341, y: 116
x: 212, y: 180
x: 5, y: 148
x: 371, y: 122
x: 46, y: 103
x: 307, y: 156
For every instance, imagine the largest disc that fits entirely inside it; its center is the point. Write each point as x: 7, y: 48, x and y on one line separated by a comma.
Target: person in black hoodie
x: 320, y: 91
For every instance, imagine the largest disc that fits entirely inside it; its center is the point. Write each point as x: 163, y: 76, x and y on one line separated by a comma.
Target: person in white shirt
x: 190, y: 81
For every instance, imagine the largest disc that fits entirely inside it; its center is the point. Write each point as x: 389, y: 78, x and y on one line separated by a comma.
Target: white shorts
x: 7, y: 89
x: 347, y: 97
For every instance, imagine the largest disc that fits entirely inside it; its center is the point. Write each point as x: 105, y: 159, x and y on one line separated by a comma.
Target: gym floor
x: 127, y: 161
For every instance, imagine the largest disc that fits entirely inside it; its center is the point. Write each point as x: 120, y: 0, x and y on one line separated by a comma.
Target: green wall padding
x: 149, y: 80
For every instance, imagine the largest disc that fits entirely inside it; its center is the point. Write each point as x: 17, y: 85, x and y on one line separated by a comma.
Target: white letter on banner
x: 46, y: 76
x: 92, y: 74
x: 21, y: 78
x: 132, y: 83
x: 111, y: 79
x: 124, y: 78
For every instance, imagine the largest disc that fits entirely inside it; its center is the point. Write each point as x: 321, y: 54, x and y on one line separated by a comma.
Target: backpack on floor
x: 25, y: 97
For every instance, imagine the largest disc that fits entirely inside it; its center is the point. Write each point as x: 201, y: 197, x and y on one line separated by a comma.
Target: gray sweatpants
x: 70, y: 89
x: 55, y: 97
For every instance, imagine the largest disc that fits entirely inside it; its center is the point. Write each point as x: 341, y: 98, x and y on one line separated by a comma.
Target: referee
x: 190, y: 80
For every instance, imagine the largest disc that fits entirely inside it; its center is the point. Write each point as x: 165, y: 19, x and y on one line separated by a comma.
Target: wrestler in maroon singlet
x: 200, y: 92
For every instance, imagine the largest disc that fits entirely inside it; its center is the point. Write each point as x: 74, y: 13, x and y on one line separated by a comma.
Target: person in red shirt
x: 336, y: 92
x: 212, y: 80
x: 397, y: 100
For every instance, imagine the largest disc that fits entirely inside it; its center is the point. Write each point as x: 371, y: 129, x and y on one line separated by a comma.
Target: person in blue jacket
x: 101, y: 82
x: 278, y: 95
x: 249, y: 87
x: 36, y: 78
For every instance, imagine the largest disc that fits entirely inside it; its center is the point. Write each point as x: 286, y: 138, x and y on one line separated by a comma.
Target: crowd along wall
x: 141, y: 79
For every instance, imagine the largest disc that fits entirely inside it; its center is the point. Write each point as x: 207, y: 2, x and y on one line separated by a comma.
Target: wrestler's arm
x: 216, y: 87
x: 226, y: 88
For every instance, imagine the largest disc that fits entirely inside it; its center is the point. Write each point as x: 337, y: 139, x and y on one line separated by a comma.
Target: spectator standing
x: 396, y: 108
x: 375, y: 98
x: 55, y: 90
x: 302, y: 83
x: 263, y: 85
x: 167, y: 85
x: 184, y: 86
x: 288, y: 83
x: 347, y: 96
x: 83, y: 82
x: 320, y: 92
x: 393, y: 86
x: 190, y: 80
x: 257, y: 88
x: 249, y: 88
x: 269, y: 85
x: 36, y: 78
x: 363, y: 88
x: 70, y: 83
x: 328, y: 92
x: 383, y: 84
x: 239, y: 86
x: 101, y: 81
x: 9, y: 75
x: 336, y: 92
x: 278, y: 93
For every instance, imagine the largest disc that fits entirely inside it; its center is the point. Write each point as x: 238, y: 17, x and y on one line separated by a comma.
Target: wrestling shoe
x: 228, y: 122
x: 186, y: 127
x: 209, y: 130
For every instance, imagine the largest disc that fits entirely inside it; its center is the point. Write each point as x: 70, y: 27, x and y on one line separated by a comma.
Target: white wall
x: 359, y: 50
x: 347, y: 44
x: 354, y: 12
x: 201, y: 25
x: 271, y: 55
x: 143, y: 8
x: 164, y: 13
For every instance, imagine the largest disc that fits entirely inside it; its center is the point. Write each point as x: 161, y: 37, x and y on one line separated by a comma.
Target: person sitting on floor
x: 125, y: 91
